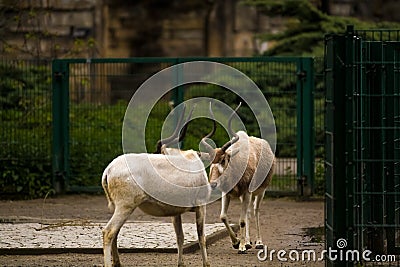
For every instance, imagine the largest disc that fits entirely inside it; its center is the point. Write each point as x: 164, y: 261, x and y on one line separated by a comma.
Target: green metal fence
x: 363, y: 141
x: 61, y: 122
x: 25, y: 128
x: 90, y: 99
x: 94, y: 86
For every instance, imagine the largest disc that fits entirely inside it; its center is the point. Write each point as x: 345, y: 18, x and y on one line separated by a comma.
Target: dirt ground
x: 285, y: 224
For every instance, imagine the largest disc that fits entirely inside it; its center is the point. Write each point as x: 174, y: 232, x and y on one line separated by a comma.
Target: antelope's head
x: 220, y: 157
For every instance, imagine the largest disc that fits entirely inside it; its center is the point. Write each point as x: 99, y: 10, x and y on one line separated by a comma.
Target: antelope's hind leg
x: 200, y: 222
x: 110, y: 234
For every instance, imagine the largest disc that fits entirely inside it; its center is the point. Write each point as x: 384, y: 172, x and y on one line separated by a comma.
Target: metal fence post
x: 348, y: 101
x: 308, y: 125
x: 299, y: 129
x: 339, y: 67
x: 335, y: 196
x: 178, y: 92
x: 305, y: 126
x: 60, y: 142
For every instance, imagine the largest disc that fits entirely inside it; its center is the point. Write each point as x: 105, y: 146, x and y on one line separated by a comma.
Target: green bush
x: 95, y: 139
x: 319, y: 185
x: 25, y: 116
x: 20, y: 80
x: 25, y: 178
x: 25, y: 167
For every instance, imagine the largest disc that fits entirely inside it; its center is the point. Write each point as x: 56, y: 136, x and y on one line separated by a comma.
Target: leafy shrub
x: 25, y: 178
x: 20, y: 80
x: 25, y: 167
x: 319, y: 185
x: 25, y: 116
x: 95, y: 139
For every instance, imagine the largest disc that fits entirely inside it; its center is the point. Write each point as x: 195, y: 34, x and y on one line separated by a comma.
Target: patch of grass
x: 316, y: 234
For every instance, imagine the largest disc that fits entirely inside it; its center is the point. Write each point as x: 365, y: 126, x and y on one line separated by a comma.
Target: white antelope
x: 124, y: 195
x: 252, y: 155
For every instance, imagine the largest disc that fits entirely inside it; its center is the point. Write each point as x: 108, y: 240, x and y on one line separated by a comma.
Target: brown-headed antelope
x: 120, y: 182
x: 248, y: 157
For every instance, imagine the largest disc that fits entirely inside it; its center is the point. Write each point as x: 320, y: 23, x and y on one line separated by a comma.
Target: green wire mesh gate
x: 25, y: 128
x: 363, y: 141
x: 90, y: 98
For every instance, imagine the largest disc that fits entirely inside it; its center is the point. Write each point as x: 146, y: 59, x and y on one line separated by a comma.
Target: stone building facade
x: 117, y: 28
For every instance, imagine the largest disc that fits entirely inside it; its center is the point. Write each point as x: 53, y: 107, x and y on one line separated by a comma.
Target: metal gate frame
x: 362, y: 142
x: 305, y: 114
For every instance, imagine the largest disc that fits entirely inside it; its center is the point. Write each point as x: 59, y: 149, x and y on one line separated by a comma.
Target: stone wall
x: 105, y: 28
x: 378, y: 10
x: 157, y: 28
x: 137, y: 31
x: 49, y: 28
x: 56, y: 28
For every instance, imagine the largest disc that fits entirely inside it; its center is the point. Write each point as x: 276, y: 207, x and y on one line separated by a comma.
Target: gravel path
x: 284, y: 224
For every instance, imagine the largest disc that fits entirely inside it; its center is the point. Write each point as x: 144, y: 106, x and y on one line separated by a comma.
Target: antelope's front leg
x: 177, y: 222
x: 243, y: 223
x: 257, y: 202
x: 224, y: 209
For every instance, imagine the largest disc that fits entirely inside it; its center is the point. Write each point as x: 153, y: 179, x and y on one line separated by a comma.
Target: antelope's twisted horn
x: 173, y: 136
x: 182, y: 133
x: 210, y: 149
x: 185, y: 126
x: 235, y: 136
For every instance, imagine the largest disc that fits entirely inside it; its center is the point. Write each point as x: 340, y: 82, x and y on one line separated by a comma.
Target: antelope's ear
x: 164, y: 149
x: 205, y: 157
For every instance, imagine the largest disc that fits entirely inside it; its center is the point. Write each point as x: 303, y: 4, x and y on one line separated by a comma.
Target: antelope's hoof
x: 236, y: 245
x: 248, y: 246
x: 259, y: 246
x: 242, y: 251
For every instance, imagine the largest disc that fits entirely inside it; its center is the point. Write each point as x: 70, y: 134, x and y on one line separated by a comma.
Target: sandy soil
x: 284, y: 224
